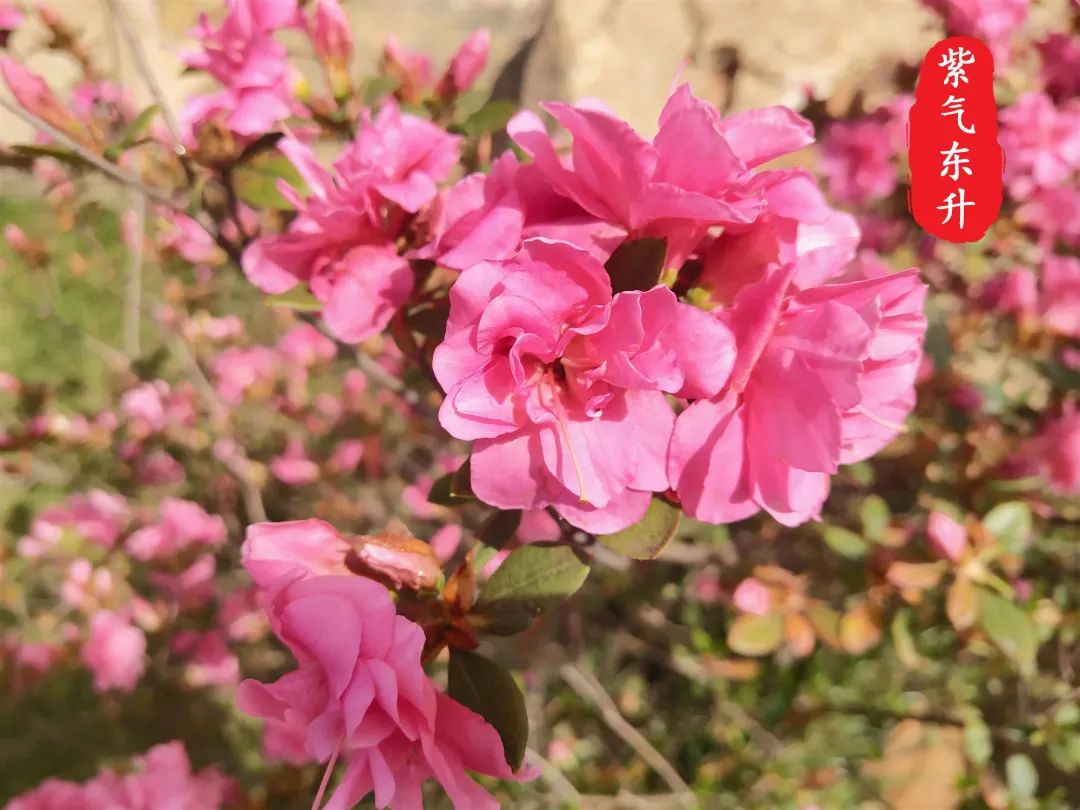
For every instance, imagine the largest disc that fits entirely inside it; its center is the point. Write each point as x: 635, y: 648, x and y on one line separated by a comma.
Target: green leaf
x: 1021, y: 776
x: 1010, y: 523
x: 488, y: 688
x: 298, y: 298
x: 453, y: 488
x: 255, y: 181
x: 647, y: 538
x: 378, y: 86
x: 977, y: 741
x: 138, y: 126
x: 1009, y: 628
x: 844, y: 542
x: 492, y: 117
x: 874, y: 514
x: 756, y: 635
x: 537, y: 576
x: 637, y: 265
x: 498, y: 529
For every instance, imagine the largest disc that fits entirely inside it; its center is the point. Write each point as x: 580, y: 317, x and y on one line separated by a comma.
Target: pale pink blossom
x: 306, y: 346
x: 1056, y: 451
x: 114, y: 651
x: 191, y: 588
x: 161, y: 778
x: 180, y: 525
x: 1041, y: 143
x: 857, y: 161
x: 238, y: 371
x: 97, y: 516
x: 560, y: 384
x: 1059, y: 301
x: 446, y: 541
x: 293, y: 467
x: 947, y: 537
x: 751, y: 596
x: 273, y: 552
x: 994, y: 21
x: 1060, y: 65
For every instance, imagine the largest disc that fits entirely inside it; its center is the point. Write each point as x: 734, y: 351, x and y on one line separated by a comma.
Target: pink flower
x: 237, y: 371
x: 180, y: 525
x: 994, y: 21
x: 445, y: 541
x: 342, y: 242
x: 188, y: 239
x: 412, y: 69
x: 850, y: 350
x: 306, y: 346
x: 1060, y: 65
x: 252, y: 66
x: 162, y: 778
x: 1041, y: 143
x: 560, y: 384
x: 114, y: 651
x: 1015, y: 291
x: 97, y: 516
x: 85, y: 585
x: 272, y: 552
x: 1053, y: 213
x: 10, y: 19
x: 211, y: 662
x: 857, y: 161
x: 466, y: 65
x: 751, y: 596
x: 191, y: 588
x: 660, y: 188
x: 360, y: 690
x: 1059, y: 303
x: 347, y: 456
x: 1056, y: 450
x: 293, y: 467
x: 947, y: 537
x: 159, y: 469
x: 146, y: 404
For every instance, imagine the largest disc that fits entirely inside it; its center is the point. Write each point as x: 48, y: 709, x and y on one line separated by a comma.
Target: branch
x: 590, y: 689
x: 111, y: 170
x: 148, y: 75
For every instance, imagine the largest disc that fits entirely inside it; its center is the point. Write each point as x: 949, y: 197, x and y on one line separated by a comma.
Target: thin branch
x: 105, y: 167
x: 590, y: 689
x: 147, y: 72
x: 560, y: 785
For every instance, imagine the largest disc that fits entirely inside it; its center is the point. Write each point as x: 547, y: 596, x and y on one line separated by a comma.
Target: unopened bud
x: 396, y: 559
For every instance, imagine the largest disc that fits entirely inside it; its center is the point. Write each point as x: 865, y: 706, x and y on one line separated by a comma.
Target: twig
x: 105, y: 167
x: 148, y: 74
x: 253, y: 501
x: 590, y: 689
x: 560, y: 785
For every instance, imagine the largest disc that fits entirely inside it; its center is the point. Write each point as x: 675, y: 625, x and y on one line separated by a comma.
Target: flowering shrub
x: 376, y: 419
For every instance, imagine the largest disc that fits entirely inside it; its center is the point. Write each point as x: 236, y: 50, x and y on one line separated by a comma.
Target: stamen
x: 883, y: 422
x: 326, y: 776
x: 560, y: 415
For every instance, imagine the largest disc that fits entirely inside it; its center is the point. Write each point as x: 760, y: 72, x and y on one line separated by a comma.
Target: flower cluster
x: 361, y: 693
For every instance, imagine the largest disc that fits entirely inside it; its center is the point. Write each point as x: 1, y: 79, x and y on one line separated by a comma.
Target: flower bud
x: 395, y: 559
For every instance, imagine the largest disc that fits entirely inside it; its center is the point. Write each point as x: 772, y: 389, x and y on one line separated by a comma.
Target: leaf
x: 1009, y: 628
x: 1021, y: 776
x: 859, y: 630
x: 488, y: 688
x: 977, y: 740
x: 255, y: 181
x: 844, y: 542
x: 498, y: 529
x: 1010, y: 523
x: 874, y: 514
x: 756, y: 635
x: 826, y: 622
x: 637, y: 265
x: 918, y: 576
x: 962, y: 603
x: 298, y: 298
x: 453, y: 488
x: 904, y: 642
x: 492, y: 117
x: 138, y: 126
x: 378, y: 86
x: 537, y: 576
x: 60, y: 153
x: 647, y: 538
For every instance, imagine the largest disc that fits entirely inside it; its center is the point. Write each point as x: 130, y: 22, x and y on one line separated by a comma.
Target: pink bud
x: 751, y: 596
x: 948, y: 538
x: 16, y: 237
x: 466, y: 66
x: 395, y: 558
x: 332, y: 37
